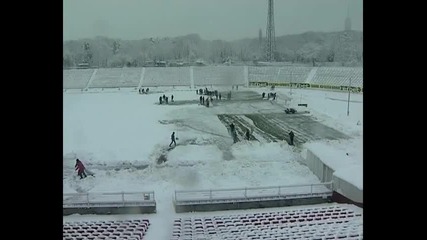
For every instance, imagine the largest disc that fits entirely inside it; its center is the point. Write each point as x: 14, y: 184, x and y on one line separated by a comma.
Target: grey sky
x: 211, y: 19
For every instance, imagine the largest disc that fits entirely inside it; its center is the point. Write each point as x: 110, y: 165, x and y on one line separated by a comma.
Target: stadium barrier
x: 283, y: 84
x: 107, y: 203
x: 352, y: 89
x: 307, y: 85
x: 246, y: 198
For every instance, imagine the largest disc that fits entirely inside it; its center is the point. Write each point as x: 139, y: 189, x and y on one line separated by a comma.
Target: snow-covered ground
x: 111, y: 129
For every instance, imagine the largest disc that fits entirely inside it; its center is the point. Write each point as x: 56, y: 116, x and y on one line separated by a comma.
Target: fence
x: 251, y: 194
x: 119, y: 199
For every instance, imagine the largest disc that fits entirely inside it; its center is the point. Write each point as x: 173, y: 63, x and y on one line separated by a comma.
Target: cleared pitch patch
x: 273, y: 127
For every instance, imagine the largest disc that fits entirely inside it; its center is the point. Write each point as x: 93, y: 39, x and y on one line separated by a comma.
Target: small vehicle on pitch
x: 290, y: 110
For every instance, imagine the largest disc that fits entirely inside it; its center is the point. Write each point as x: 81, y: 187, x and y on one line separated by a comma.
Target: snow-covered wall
x: 347, y: 189
x: 320, y: 169
x: 334, y: 165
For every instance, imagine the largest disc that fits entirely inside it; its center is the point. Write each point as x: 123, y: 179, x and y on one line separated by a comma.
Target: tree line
x: 310, y: 47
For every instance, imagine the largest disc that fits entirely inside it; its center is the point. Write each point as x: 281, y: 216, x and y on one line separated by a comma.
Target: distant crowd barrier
x: 307, y: 85
x: 281, y: 84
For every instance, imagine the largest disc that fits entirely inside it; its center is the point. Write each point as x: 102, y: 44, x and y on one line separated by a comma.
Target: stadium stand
x: 116, y: 77
x: 166, y: 76
x: 338, y: 221
x: 338, y: 76
x: 279, y: 74
x: 76, y: 78
x: 125, y: 229
x: 335, y: 78
x: 218, y: 75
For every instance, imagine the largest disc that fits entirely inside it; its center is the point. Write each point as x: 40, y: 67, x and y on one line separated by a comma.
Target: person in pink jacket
x: 80, y: 168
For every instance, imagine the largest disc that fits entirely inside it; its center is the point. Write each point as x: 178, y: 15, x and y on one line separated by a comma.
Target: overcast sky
x: 211, y: 19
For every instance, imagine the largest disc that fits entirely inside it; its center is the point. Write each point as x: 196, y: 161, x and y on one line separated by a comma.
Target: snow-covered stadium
x: 208, y: 186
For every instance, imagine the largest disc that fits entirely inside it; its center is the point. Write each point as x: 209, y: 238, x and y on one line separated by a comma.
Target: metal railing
x: 109, y: 199
x: 246, y: 194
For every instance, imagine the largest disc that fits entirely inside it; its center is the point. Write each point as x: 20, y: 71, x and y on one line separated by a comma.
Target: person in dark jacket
x: 291, y: 137
x: 233, y: 132
x: 248, y: 135
x: 173, y: 139
x: 231, y: 127
x: 80, y: 168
